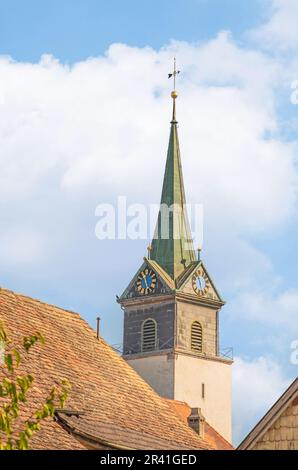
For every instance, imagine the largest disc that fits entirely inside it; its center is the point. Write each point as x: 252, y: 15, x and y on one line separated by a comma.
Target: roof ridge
x: 66, y: 420
x: 43, y: 302
x: 61, y: 309
x: 220, y: 435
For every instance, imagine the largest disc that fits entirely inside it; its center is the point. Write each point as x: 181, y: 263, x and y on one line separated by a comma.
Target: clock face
x: 146, y: 281
x: 200, y: 282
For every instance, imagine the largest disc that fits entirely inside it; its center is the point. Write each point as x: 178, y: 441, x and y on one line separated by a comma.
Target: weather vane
x: 174, y: 73
x: 174, y: 93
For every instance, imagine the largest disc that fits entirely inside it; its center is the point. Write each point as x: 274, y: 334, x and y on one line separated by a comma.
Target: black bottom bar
x: 137, y: 459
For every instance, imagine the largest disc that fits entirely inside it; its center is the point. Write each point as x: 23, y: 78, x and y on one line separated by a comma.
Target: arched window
x: 149, y: 335
x: 196, y: 336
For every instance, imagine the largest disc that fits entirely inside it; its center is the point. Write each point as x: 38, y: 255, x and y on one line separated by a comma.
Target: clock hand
x: 145, y: 279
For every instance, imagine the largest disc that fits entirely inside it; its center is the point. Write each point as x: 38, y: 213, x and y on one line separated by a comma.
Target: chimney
x: 197, y: 421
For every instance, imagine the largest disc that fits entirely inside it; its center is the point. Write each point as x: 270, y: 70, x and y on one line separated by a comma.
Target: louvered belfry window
x: 196, y: 336
x: 149, y: 335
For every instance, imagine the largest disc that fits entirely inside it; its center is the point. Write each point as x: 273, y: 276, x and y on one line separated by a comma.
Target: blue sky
x: 75, y: 29
x: 67, y: 68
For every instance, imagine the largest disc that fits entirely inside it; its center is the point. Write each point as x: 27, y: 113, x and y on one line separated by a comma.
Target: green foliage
x: 14, y: 390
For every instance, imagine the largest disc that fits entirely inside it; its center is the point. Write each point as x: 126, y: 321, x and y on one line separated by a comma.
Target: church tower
x: 171, y: 310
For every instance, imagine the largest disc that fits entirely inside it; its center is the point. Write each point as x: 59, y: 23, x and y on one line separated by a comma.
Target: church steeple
x: 171, y: 309
x: 172, y: 246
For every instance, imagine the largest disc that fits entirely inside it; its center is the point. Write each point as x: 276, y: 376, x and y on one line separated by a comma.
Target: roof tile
x: 111, y: 394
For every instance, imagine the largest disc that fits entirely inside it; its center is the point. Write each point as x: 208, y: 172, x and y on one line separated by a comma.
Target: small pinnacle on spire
x: 174, y: 93
x: 199, y: 253
x: 149, y: 249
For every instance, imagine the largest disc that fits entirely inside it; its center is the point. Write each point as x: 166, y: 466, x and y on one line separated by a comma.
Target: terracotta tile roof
x: 211, y: 436
x: 114, y: 436
x: 119, y: 407
x: 215, y: 439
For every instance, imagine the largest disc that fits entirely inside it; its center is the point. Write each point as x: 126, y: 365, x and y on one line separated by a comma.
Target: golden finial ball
x: 174, y: 94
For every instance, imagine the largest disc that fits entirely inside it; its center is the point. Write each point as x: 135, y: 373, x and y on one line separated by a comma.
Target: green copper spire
x: 172, y: 246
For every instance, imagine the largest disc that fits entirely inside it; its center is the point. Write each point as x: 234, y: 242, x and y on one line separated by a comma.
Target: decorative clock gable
x: 147, y: 281
x: 200, y: 284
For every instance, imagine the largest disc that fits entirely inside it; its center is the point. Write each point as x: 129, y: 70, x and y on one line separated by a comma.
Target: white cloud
x: 100, y: 122
x: 20, y: 247
x: 281, y: 28
x: 75, y: 136
x: 257, y: 384
x: 246, y: 265
x: 269, y: 307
